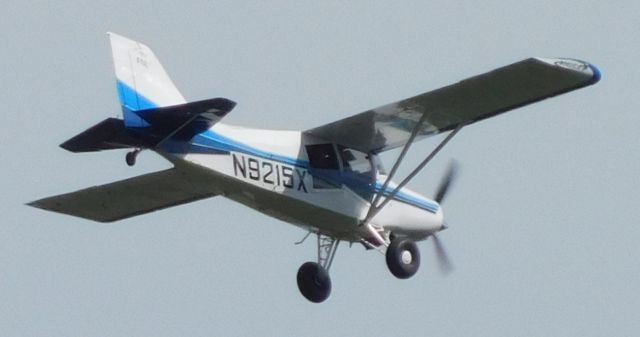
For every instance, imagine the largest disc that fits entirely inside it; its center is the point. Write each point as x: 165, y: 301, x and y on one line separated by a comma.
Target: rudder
x: 142, y: 82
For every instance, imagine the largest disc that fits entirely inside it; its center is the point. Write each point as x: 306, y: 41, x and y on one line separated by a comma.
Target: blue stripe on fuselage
x: 213, y: 140
x: 408, y: 198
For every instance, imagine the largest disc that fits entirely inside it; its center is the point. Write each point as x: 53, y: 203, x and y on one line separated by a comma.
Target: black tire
x: 403, y: 258
x: 314, y: 282
x: 130, y: 158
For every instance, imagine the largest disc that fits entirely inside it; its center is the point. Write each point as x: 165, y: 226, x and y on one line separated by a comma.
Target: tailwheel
x: 403, y: 258
x: 130, y: 158
x: 314, y: 282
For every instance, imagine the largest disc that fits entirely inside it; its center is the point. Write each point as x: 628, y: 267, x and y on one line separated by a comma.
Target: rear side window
x: 322, y: 156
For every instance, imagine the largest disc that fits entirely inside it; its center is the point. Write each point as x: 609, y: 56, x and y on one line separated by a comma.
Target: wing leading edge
x: 465, y: 102
x: 130, y: 197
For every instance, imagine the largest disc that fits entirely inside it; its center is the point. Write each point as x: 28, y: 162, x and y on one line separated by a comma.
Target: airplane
x: 327, y: 180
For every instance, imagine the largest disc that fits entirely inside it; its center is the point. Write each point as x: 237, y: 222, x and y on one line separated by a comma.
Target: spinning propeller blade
x: 443, y: 259
x: 446, y: 182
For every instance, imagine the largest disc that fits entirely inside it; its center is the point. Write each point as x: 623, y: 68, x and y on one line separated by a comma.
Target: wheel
x: 130, y: 158
x: 314, y: 282
x: 403, y: 258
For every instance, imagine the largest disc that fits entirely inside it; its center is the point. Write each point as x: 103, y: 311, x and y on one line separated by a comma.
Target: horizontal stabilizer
x: 130, y: 197
x: 181, y: 121
x: 187, y: 119
x: 107, y: 135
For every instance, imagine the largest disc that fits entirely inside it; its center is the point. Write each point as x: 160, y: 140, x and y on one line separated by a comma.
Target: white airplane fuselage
x: 271, y: 171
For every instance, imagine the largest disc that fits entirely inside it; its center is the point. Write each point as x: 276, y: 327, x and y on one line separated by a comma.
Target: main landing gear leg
x: 313, y: 278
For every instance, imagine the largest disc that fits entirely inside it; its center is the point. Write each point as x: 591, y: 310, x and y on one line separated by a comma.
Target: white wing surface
x: 465, y: 102
x: 130, y: 197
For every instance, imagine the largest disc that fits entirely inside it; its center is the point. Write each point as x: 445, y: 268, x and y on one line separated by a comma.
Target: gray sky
x: 544, y: 224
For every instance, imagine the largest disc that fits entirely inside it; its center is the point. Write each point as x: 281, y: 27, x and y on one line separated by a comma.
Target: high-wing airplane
x: 327, y: 180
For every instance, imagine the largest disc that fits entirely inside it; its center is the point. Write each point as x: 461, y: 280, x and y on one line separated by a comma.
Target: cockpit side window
x: 324, y: 166
x: 322, y: 156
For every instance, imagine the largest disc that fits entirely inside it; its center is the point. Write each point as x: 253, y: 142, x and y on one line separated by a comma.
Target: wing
x: 468, y: 101
x: 130, y: 197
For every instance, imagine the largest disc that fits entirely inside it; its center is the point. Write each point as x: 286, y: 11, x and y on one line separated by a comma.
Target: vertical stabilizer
x: 142, y: 82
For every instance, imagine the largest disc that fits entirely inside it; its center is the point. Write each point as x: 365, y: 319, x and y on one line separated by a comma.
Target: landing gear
x: 403, y: 258
x: 313, y: 278
x: 314, y: 282
x: 130, y: 158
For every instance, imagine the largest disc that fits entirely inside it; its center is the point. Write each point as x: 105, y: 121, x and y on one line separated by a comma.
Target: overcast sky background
x: 544, y: 220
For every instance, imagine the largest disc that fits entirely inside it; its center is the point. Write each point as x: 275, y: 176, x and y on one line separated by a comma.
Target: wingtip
x: 577, y: 66
x: 597, y: 74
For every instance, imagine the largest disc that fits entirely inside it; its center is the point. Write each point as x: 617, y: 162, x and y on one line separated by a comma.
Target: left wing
x: 465, y: 102
x: 130, y: 197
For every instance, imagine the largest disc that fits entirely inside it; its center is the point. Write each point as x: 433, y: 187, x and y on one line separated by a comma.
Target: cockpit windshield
x: 377, y: 163
x: 358, y: 168
x: 355, y: 161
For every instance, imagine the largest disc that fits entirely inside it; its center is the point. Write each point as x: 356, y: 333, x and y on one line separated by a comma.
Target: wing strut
x: 405, y: 148
x: 375, y: 208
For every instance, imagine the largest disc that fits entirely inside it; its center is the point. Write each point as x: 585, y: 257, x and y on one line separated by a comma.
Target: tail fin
x: 142, y: 82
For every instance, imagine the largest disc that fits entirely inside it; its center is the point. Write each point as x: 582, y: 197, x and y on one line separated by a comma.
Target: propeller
x: 446, y: 182
x: 443, y: 258
x: 444, y: 262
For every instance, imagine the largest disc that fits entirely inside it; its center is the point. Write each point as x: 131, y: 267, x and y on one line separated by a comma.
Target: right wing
x: 465, y: 102
x: 130, y: 197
